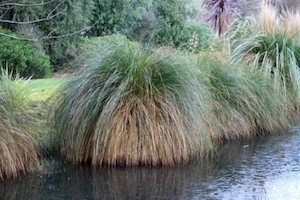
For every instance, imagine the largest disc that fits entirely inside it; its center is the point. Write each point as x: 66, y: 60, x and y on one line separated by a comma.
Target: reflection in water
x: 267, y: 167
x: 19, y: 189
x: 131, y: 183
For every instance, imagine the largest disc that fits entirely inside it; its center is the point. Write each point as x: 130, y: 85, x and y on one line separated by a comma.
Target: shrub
x: 115, y: 16
x: 132, y: 106
x: 196, y: 37
x: 144, y: 33
x: 18, y: 153
x: 171, y: 17
x: 22, y: 58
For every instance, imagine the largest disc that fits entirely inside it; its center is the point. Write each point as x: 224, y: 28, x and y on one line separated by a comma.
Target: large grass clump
x: 245, y: 102
x: 132, y: 106
x: 269, y: 42
x: 18, y: 153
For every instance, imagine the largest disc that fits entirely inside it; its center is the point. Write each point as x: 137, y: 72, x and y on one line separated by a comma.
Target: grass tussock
x: 245, y: 101
x: 18, y: 153
x: 136, y: 106
x: 291, y: 20
x: 270, y: 43
x: 267, y: 18
x: 132, y: 106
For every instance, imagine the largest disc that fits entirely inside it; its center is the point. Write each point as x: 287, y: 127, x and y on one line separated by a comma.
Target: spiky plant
x: 18, y: 153
x: 220, y: 13
x: 271, y: 48
x: 132, y: 106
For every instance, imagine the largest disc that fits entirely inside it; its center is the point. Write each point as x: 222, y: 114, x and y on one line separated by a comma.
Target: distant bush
x: 173, y: 29
x: 115, y: 16
x: 23, y: 58
x: 196, y: 37
x: 171, y: 19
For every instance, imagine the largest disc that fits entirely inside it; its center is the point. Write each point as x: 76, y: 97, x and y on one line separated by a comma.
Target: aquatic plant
x: 132, y: 106
x: 18, y: 153
x: 27, y: 188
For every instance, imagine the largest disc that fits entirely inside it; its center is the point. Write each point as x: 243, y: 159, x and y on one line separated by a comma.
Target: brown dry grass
x: 291, y: 20
x: 268, y: 19
x: 135, y: 107
x: 18, y: 153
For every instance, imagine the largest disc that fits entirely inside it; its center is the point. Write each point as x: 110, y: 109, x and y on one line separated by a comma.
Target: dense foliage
x: 65, y: 30
x: 115, y: 16
x: 56, y: 24
x: 196, y: 37
x: 156, y: 22
x: 171, y: 18
x: 23, y: 57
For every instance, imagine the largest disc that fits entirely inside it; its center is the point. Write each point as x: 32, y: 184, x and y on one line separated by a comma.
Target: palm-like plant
x: 132, y: 106
x: 220, y: 12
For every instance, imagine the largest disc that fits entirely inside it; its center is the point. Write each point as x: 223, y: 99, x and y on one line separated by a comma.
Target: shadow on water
x: 262, y: 168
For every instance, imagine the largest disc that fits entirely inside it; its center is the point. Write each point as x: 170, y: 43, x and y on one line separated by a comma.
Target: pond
x: 267, y: 167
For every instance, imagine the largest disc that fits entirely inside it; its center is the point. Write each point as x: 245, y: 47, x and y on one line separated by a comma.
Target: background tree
x: 177, y: 25
x: 65, y: 30
x: 18, y: 56
x: 116, y: 16
x: 220, y: 12
x: 26, y: 12
x: 55, y: 25
x: 171, y: 16
x: 155, y: 22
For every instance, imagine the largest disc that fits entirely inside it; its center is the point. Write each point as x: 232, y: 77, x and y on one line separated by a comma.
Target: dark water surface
x: 266, y: 167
